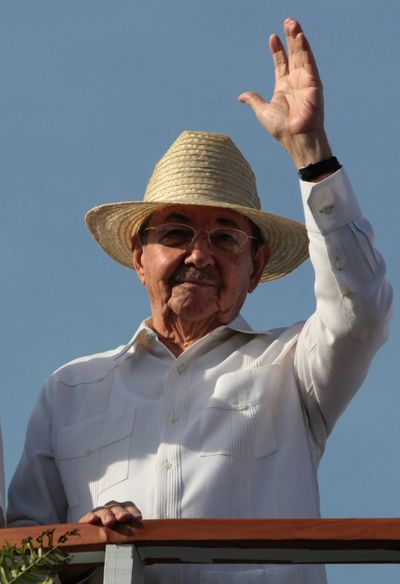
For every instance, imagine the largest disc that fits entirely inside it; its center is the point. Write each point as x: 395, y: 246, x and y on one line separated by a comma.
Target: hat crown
x: 202, y: 168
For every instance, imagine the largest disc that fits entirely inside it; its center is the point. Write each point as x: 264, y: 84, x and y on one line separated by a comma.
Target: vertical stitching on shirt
x: 97, y: 403
x: 169, y: 482
x: 252, y: 351
x: 93, y: 471
x: 241, y: 435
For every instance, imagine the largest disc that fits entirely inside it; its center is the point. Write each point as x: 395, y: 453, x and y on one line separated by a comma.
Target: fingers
x: 111, y: 513
x: 305, y: 57
x: 291, y: 28
x: 299, y: 50
x: 279, y: 56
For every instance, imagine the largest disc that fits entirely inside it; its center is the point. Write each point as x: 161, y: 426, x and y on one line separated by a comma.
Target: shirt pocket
x: 239, y: 417
x: 94, y: 455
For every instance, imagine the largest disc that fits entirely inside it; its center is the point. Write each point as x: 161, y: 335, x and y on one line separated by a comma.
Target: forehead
x: 199, y: 216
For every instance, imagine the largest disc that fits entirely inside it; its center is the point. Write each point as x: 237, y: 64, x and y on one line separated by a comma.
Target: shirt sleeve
x: 36, y: 495
x: 353, y: 302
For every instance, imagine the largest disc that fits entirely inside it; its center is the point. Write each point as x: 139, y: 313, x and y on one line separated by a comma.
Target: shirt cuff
x: 329, y: 204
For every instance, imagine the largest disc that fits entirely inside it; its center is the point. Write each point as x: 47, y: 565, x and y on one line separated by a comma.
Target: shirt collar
x: 240, y: 325
x: 144, y: 334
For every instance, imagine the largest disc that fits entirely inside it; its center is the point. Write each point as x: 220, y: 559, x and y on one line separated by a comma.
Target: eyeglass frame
x: 196, y: 232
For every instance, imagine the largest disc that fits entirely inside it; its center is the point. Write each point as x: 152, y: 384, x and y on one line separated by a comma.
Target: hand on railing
x: 112, y: 513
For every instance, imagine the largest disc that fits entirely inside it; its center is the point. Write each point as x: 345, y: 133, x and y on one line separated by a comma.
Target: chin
x: 193, y: 310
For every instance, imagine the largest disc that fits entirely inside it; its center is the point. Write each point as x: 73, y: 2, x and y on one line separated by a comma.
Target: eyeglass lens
x: 226, y: 239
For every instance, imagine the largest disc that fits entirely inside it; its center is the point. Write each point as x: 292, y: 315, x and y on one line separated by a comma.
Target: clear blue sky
x: 92, y: 94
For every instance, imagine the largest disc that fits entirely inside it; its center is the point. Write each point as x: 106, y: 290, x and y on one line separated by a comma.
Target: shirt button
x: 146, y: 338
x: 174, y: 418
x: 327, y: 210
x: 339, y: 263
x: 167, y: 464
x: 88, y: 451
x: 181, y: 368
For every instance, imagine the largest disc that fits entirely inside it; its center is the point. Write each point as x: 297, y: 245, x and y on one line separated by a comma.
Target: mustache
x: 193, y: 274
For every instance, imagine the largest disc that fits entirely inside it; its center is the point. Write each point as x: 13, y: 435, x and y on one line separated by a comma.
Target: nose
x: 200, y: 253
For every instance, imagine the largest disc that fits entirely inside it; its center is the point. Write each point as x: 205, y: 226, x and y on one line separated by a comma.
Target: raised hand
x: 295, y: 113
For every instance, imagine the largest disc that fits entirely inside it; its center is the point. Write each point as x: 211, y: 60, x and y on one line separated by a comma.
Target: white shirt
x: 233, y: 427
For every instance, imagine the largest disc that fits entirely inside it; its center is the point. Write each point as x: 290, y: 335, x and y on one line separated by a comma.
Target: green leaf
x: 28, y: 563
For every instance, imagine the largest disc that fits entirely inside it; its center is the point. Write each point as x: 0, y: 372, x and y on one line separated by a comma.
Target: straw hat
x: 200, y: 168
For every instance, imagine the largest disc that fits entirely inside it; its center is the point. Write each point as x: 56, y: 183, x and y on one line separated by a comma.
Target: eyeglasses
x: 226, y: 239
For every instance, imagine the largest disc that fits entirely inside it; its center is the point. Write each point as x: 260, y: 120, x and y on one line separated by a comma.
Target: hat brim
x: 113, y: 225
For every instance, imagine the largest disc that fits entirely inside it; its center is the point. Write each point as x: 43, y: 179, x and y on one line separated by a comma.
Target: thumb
x: 253, y: 99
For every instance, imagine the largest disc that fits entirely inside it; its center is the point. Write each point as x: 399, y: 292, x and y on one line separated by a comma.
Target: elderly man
x: 199, y: 415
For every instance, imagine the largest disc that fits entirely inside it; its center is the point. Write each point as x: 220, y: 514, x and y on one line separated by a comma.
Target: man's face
x: 201, y: 282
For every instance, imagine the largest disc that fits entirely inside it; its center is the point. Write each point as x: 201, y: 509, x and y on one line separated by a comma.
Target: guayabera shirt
x: 233, y: 427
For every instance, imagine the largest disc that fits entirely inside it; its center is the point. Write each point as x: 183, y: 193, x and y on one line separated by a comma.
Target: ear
x: 260, y: 260
x: 137, y: 257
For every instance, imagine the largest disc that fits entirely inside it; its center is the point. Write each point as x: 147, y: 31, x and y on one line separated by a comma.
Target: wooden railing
x: 299, y: 541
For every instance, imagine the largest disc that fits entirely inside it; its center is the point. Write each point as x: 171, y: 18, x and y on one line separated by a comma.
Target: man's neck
x: 178, y: 334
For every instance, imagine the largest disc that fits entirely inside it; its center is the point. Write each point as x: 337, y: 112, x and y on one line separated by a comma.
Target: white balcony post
x: 122, y: 565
